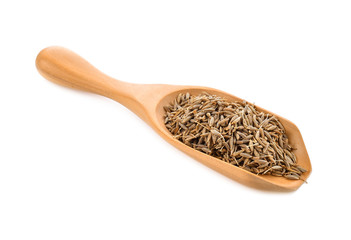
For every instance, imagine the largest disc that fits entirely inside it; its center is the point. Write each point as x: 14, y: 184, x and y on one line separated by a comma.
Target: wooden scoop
x: 66, y: 68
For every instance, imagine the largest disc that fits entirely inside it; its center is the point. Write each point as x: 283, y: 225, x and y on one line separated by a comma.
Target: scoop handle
x: 66, y: 68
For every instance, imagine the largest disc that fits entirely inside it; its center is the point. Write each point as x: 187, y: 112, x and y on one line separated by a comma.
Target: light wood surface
x: 66, y: 68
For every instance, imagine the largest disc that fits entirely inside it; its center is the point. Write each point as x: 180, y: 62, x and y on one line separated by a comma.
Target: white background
x: 71, y: 169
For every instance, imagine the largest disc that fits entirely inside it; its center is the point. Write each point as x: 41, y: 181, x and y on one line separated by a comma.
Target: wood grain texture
x: 66, y: 68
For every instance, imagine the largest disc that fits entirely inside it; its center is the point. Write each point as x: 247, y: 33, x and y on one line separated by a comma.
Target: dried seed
x: 301, y: 169
x: 238, y: 153
x: 242, y: 141
x: 183, y: 126
x: 277, y: 167
x: 271, y: 128
x: 245, y: 155
x: 291, y: 177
